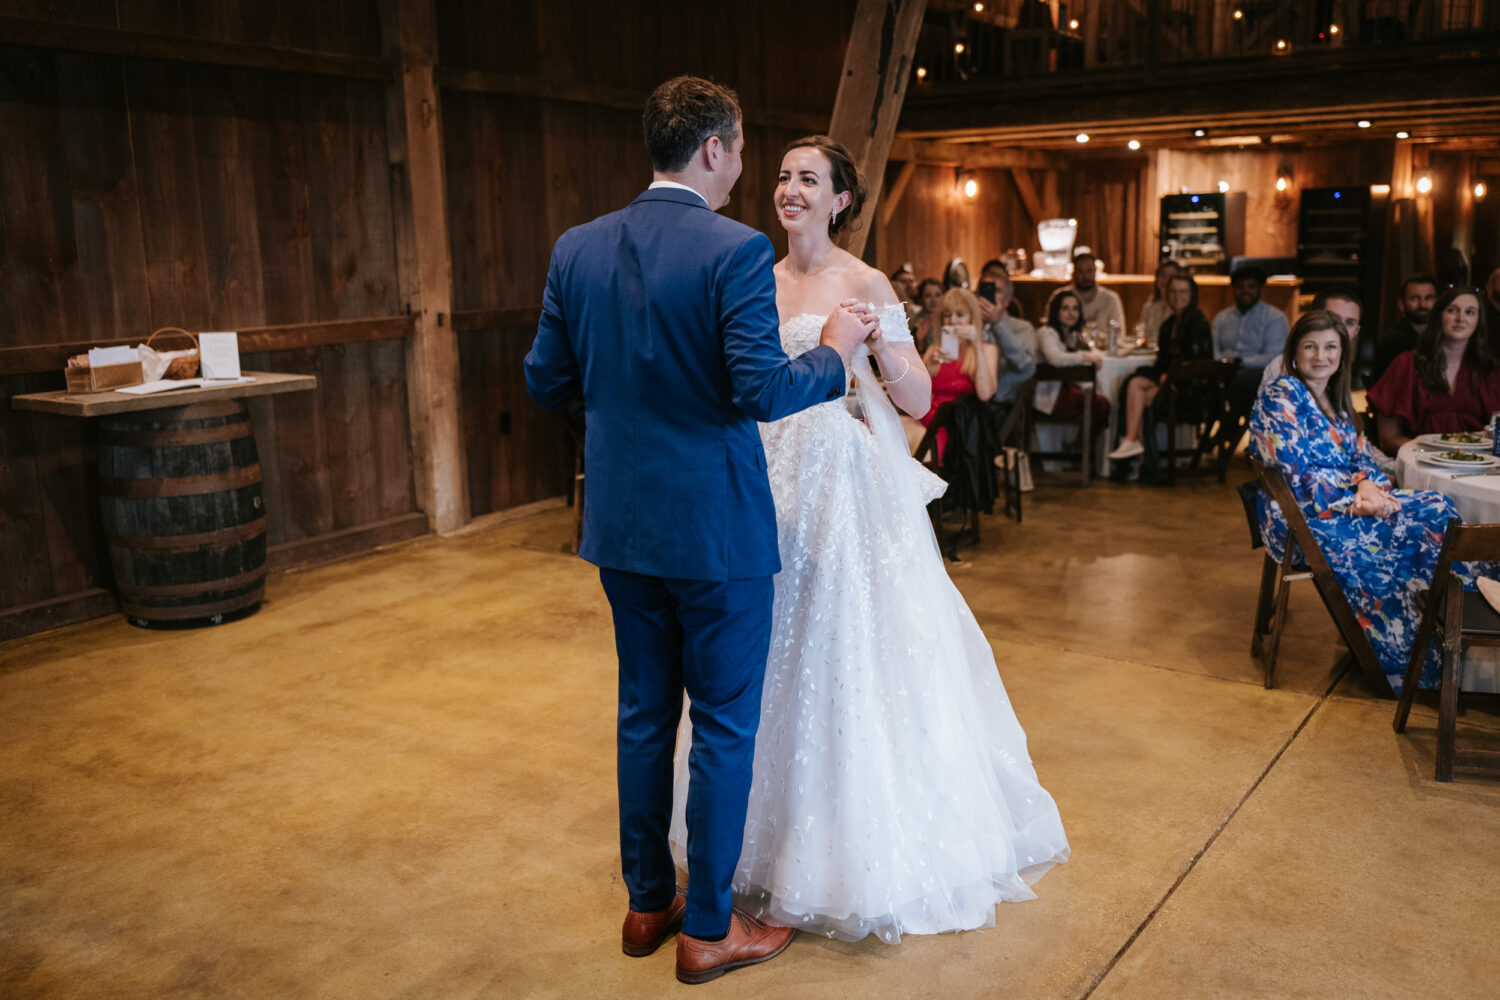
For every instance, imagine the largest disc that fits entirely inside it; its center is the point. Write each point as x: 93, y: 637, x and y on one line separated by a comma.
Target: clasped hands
x: 851, y: 324
x: 1372, y: 501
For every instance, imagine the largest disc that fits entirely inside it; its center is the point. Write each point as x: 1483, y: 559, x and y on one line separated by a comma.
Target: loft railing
x: 1021, y: 39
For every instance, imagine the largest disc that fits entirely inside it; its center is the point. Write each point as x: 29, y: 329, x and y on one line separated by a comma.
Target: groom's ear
x: 712, y: 151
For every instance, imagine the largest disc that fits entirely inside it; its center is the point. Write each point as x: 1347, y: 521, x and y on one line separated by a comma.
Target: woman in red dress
x: 973, y: 371
x: 1449, y: 383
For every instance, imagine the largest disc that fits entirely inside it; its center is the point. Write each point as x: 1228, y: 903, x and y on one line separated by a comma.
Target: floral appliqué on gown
x: 893, y: 792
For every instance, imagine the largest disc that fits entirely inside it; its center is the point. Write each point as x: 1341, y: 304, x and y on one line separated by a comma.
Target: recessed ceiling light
x: 1082, y: 137
x: 1199, y: 133
x: 1134, y: 144
x: 1403, y: 135
x: 1363, y: 123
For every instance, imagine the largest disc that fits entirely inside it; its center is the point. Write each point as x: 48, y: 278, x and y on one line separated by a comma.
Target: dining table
x: 1476, y: 494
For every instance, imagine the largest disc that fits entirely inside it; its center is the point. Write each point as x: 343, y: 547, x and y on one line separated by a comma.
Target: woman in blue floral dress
x: 1381, y: 543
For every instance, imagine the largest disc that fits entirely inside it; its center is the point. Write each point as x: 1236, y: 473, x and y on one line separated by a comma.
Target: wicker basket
x: 185, y: 363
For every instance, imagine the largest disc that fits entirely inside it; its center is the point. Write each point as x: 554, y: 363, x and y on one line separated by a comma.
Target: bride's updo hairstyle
x: 845, y: 176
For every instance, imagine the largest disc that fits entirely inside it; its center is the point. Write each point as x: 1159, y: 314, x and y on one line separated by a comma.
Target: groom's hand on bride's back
x: 846, y: 329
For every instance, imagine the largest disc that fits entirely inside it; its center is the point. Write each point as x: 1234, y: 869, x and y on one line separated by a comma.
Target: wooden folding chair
x: 1460, y: 619
x: 927, y: 453
x: 1013, y: 435
x: 1207, y: 432
x: 1275, y: 585
x: 1085, y: 377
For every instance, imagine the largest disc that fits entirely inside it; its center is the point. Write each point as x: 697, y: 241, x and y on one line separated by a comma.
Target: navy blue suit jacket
x: 663, y: 316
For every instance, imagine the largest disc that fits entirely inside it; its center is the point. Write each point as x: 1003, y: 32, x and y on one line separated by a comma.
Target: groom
x: 663, y: 317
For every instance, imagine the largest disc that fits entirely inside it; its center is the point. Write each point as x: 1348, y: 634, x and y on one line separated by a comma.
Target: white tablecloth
x: 1112, y: 374
x: 1478, y: 501
x: 1476, y: 497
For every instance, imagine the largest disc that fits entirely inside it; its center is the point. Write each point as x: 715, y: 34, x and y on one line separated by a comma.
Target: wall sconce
x: 1424, y: 184
x: 1480, y: 190
x: 1223, y: 187
x: 968, y: 185
x: 1283, y: 182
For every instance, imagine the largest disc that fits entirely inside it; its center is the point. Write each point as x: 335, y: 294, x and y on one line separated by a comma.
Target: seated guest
x: 1101, y: 307
x: 1060, y: 344
x: 1382, y: 544
x: 930, y: 316
x: 904, y: 281
x: 1449, y: 383
x: 1492, y: 310
x: 1014, y: 338
x: 1183, y: 336
x: 1156, y: 310
x: 1344, y: 304
x: 972, y: 371
x: 1418, y: 292
x: 1251, y: 330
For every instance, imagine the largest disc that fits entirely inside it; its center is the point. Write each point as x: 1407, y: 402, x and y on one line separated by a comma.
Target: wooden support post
x: 424, y: 263
x: 888, y: 205
x: 1029, y: 198
x: 877, y: 67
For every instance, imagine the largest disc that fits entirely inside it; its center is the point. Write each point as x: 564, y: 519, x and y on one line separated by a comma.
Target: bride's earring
x: 833, y: 219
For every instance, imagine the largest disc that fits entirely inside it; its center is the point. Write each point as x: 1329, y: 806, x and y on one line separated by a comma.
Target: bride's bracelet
x: 904, y: 372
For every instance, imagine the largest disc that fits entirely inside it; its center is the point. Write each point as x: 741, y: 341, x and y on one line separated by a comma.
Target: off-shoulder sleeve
x: 892, y: 321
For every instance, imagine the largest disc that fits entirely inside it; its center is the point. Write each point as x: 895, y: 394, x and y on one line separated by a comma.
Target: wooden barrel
x: 183, y: 513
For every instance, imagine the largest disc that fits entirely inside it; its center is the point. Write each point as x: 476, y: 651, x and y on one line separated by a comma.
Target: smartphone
x: 987, y: 291
x: 948, y: 344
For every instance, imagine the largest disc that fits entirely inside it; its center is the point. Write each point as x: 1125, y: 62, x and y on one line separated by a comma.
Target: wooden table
x: 180, y: 490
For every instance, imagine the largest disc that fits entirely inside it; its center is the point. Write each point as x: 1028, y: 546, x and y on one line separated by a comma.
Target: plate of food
x: 1459, y: 460
x: 1458, y: 441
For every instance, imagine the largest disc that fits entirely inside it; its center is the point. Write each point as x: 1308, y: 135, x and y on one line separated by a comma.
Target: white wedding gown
x: 892, y: 790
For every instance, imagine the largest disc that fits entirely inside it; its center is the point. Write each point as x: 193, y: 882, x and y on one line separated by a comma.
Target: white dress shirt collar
x: 682, y: 187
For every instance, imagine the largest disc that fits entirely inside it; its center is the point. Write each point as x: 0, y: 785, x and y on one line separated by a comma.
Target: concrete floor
x: 397, y: 780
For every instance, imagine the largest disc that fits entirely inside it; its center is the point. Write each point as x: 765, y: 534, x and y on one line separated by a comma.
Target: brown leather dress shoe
x: 643, y: 933
x: 748, y: 942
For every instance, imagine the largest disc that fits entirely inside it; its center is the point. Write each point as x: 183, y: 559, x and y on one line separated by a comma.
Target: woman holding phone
x: 959, y: 360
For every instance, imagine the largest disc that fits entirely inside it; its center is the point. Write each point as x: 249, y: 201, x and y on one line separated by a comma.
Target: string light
x: 1134, y: 144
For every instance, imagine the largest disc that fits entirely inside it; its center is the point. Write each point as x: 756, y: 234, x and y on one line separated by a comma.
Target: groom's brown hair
x: 680, y: 116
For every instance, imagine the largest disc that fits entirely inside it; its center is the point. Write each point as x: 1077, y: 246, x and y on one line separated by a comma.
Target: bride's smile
x: 804, y: 197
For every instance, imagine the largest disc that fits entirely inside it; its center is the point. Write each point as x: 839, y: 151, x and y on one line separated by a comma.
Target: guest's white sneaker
x: 1127, y: 449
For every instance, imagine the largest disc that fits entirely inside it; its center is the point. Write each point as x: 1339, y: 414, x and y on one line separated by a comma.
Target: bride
x: 892, y: 790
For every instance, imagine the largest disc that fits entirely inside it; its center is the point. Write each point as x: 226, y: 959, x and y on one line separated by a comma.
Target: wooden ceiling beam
x: 35, y: 33
x: 971, y: 156
x: 872, y: 89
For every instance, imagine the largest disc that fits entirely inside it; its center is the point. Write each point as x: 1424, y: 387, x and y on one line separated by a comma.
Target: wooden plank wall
x: 522, y: 169
x: 138, y: 193
x: 933, y: 223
